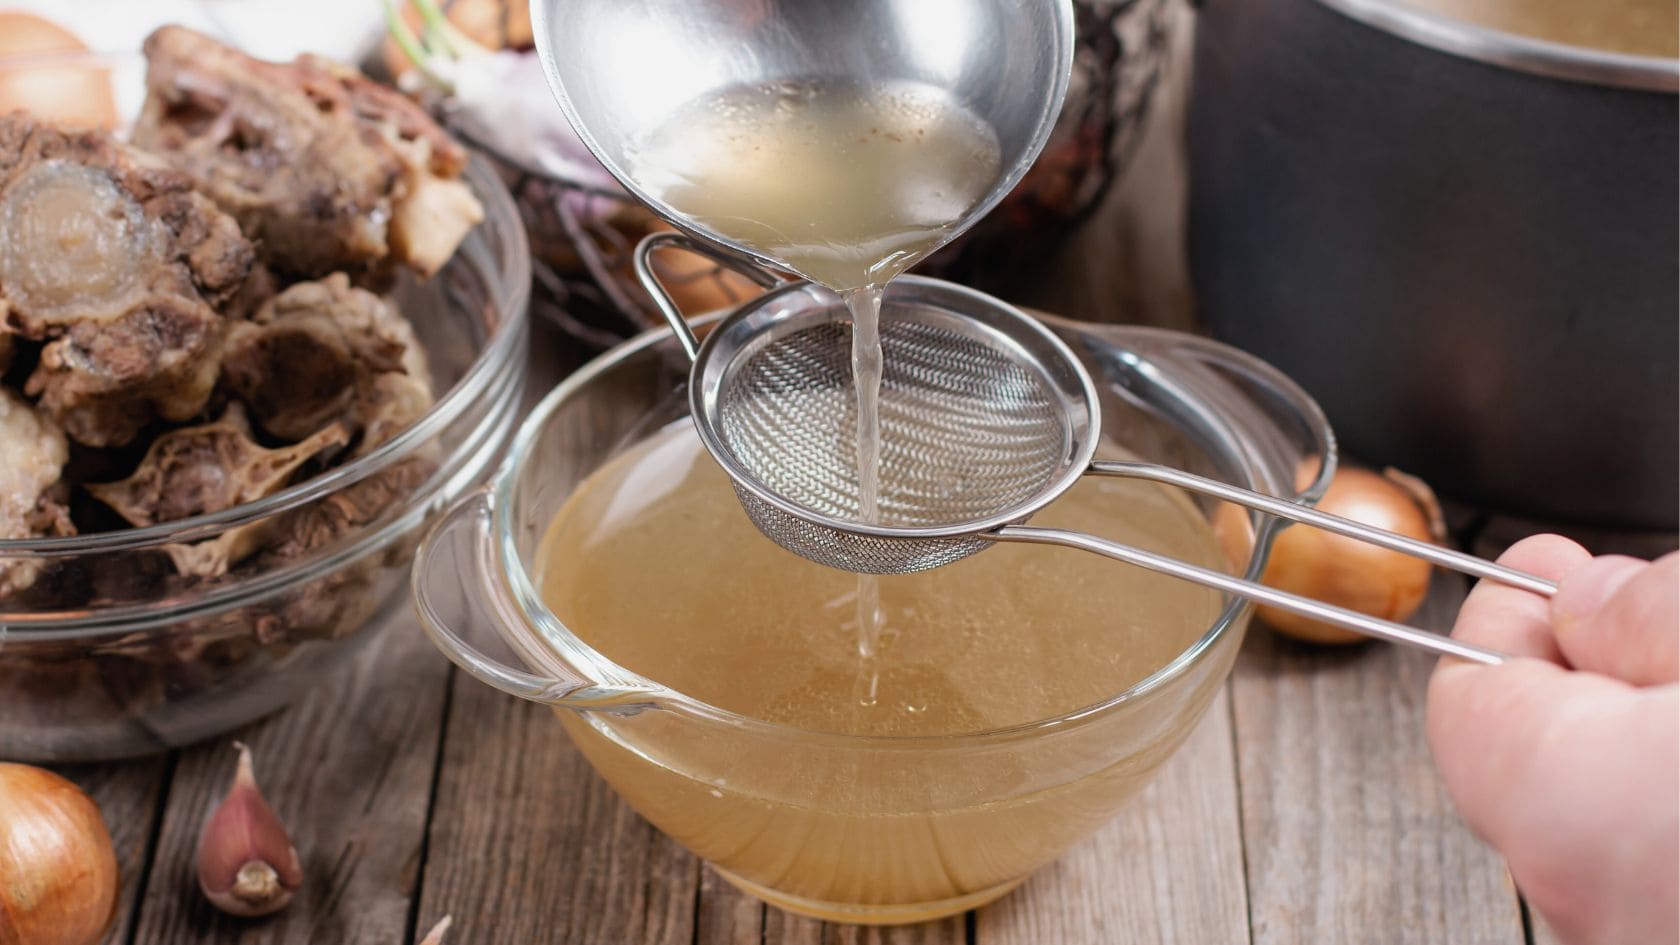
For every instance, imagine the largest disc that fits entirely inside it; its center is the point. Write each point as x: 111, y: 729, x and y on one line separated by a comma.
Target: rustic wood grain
x: 1348, y: 834
x: 528, y: 845
x: 725, y: 915
x: 728, y: 916
x: 130, y: 796
x: 782, y: 928
x: 1169, y: 868
x: 349, y: 770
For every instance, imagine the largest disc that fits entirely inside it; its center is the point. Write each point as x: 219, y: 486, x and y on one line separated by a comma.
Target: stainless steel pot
x: 1462, y: 242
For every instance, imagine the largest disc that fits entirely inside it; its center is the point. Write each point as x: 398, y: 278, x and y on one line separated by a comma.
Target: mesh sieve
x: 983, y: 421
x: 986, y: 417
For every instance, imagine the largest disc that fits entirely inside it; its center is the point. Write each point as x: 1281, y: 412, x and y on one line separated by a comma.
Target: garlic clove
x: 247, y: 865
x: 435, y: 936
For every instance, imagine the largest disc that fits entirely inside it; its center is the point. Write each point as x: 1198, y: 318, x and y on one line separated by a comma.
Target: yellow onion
x: 39, y: 73
x: 1350, y: 573
x: 58, y: 869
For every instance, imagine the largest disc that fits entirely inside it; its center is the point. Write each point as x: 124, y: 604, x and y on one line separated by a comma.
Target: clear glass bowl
x: 895, y: 829
x: 110, y: 655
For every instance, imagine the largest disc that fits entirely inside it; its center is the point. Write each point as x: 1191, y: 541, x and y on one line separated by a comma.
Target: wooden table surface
x: 1304, y: 809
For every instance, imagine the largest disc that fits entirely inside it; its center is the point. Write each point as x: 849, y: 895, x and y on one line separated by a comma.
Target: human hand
x: 1566, y: 759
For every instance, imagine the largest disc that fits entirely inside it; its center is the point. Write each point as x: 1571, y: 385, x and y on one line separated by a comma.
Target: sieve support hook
x: 643, y: 264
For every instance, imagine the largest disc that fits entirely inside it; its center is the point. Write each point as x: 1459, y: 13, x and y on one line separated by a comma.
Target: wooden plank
x: 129, y: 796
x: 788, y: 929
x: 1169, y: 868
x: 1349, y: 835
x: 529, y: 845
x: 725, y: 915
x: 349, y: 770
x: 731, y: 917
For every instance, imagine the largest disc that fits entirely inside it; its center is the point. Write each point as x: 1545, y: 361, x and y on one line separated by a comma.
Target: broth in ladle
x: 848, y: 185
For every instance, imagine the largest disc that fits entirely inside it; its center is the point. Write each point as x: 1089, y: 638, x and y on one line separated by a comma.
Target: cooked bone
x: 30, y: 464
x: 309, y: 355
x: 117, y: 265
x: 387, y: 404
x: 324, y: 168
x: 207, y: 468
x: 76, y: 245
x: 204, y: 469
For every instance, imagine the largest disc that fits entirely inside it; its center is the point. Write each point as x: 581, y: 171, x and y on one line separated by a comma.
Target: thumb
x: 1620, y: 617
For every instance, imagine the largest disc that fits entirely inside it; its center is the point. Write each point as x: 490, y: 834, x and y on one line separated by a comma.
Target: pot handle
x: 459, y: 586
x: 661, y: 298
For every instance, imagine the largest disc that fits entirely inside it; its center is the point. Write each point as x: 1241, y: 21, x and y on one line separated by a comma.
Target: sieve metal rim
x: 1021, y: 332
x: 796, y: 305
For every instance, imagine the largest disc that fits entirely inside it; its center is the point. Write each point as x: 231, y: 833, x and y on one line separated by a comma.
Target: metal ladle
x: 621, y: 68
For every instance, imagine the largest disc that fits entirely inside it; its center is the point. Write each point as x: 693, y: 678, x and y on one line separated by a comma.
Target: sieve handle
x: 1305, y: 606
x: 1271, y: 505
x: 668, y: 306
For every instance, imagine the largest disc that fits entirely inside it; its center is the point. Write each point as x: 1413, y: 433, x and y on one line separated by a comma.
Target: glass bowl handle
x: 460, y: 591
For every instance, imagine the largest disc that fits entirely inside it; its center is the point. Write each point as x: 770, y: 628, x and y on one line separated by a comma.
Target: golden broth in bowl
x: 1023, y: 695
x: 652, y: 563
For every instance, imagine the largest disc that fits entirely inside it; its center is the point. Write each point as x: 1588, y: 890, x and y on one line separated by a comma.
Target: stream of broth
x: 653, y: 563
x: 848, y: 185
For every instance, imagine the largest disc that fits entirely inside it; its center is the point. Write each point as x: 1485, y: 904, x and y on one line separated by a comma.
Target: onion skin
x: 435, y: 936
x: 71, y: 93
x: 58, y: 869
x: 1350, y: 573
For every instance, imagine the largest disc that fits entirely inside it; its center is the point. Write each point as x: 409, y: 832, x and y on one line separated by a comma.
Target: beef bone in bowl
x: 199, y: 525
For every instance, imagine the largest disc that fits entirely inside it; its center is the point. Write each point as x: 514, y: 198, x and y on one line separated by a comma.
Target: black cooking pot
x: 1464, y: 244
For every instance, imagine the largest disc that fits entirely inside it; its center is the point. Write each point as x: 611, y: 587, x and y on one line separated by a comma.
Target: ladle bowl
x: 621, y: 69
